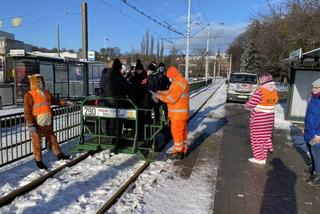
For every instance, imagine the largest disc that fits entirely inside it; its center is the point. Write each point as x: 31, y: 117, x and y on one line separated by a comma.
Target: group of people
x: 262, y: 106
x: 149, y: 89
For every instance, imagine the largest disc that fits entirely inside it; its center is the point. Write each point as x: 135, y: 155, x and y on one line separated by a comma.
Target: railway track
x: 7, y: 199
x: 123, y: 188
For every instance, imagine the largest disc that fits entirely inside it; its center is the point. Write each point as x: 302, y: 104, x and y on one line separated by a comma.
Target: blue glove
x: 32, y: 129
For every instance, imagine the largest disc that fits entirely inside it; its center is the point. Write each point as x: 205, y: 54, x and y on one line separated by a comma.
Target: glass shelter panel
x: 76, y: 80
x: 46, y: 70
x: 24, y: 68
x: 61, y: 80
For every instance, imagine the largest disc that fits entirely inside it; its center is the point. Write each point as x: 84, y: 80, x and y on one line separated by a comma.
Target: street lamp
x: 186, y: 73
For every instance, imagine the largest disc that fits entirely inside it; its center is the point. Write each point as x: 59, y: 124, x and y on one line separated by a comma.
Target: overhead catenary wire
x: 165, y: 25
x: 195, y: 14
x: 43, y: 12
x: 159, y: 16
x: 204, y: 14
x: 44, y: 20
x: 132, y: 19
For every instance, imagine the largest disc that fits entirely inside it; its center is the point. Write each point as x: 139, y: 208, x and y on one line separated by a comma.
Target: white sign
x: 15, y: 22
x: 91, y: 55
x: 109, y: 112
x: 296, y: 54
x: 17, y: 52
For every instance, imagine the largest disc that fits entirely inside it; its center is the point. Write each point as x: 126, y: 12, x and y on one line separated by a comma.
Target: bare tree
x: 161, y: 51
x: 151, y: 47
x: 158, y: 51
x: 147, y: 47
x: 143, y: 49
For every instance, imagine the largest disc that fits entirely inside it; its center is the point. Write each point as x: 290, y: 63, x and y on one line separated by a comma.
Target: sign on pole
x: 296, y: 54
x: 15, y: 22
x: 91, y: 55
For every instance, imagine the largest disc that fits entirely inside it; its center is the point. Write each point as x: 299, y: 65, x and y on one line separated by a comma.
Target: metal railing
x: 15, y: 140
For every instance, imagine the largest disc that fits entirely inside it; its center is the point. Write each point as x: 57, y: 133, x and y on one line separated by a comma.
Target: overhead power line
x: 165, y: 25
x: 45, y: 20
x: 44, y: 12
x: 204, y: 14
x: 126, y: 15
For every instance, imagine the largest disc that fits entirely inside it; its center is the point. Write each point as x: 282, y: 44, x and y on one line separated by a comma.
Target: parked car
x: 241, y: 86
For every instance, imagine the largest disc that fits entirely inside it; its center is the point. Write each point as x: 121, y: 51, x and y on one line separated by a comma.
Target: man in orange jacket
x: 177, y: 99
x: 37, y: 111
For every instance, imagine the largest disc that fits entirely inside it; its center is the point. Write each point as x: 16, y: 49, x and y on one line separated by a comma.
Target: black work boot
x: 176, y: 156
x: 62, y: 156
x: 315, y: 179
x: 41, y: 165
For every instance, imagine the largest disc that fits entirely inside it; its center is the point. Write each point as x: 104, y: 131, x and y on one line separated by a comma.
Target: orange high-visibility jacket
x: 42, y: 103
x: 35, y: 103
x: 268, y: 102
x: 177, y: 97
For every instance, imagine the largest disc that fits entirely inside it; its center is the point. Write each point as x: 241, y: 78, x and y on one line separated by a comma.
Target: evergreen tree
x: 251, y: 61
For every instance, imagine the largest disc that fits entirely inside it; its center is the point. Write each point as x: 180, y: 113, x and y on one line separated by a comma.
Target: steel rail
x: 34, y: 184
x: 37, y: 182
x: 124, y: 187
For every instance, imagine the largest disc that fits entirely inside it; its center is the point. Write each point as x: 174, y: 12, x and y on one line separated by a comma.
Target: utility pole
x: 58, y: 37
x: 214, y: 70
x: 186, y: 74
x: 207, y: 57
x: 230, y: 66
x: 84, y: 18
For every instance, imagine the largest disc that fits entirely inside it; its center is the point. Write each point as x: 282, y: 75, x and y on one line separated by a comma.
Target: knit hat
x: 152, y: 67
x: 139, y: 66
x: 316, y: 83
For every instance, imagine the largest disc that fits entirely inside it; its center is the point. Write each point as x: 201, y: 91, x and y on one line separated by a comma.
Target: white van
x: 241, y: 86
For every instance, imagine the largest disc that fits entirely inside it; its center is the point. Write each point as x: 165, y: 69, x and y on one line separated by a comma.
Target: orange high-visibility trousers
x: 179, y: 131
x: 48, y: 133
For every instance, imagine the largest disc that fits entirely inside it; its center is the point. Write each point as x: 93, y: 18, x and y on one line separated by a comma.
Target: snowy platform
x: 215, y: 177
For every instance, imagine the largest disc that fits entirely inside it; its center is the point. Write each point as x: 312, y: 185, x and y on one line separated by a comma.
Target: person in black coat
x: 119, y: 87
x: 119, y: 84
x: 105, y: 83
x: 139, y: 84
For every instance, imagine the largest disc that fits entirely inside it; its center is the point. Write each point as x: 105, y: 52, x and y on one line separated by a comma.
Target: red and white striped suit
x: 261, y: 124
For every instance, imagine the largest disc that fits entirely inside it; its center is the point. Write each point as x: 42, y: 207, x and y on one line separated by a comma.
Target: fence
x: 15, y: 142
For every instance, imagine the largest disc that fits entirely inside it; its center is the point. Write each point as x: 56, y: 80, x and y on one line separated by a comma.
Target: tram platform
x: 278, y: 187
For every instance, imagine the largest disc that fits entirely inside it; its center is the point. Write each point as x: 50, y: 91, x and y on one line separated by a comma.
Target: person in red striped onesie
x: 262, y: 104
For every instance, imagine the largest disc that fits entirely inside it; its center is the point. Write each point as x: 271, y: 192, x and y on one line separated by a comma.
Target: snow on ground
x: 171, y: 193
x: 280, y: 122
x: 10, y: 110
x: 84, y: 187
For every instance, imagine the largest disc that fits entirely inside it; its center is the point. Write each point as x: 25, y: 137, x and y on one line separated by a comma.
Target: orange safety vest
x: 268, y: 102
x: 177, y: 99
x: 42, y: 104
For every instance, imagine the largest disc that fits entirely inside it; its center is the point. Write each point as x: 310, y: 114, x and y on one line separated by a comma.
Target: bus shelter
x: 304, y: 69
x: 65, y: 78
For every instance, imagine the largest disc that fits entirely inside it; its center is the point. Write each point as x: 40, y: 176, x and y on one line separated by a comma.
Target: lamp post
x: 207, y: 56
x: 186, y: 73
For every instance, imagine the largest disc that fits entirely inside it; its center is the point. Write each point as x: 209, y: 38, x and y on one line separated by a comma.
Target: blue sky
x: 40, y: 18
